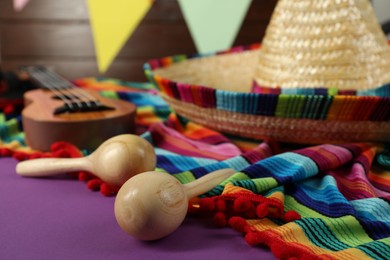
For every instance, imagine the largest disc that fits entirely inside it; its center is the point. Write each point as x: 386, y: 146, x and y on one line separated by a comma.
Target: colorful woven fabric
x: 314, y: 202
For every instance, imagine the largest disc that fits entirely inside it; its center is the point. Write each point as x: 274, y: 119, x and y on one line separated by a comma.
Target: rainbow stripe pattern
x: 341, y: 192
x: 302, y: 103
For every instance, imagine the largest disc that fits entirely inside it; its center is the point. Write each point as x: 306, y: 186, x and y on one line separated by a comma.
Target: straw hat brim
x: 215, y: 90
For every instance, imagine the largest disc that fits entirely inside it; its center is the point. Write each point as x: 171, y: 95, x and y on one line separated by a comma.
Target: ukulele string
x: 42, y: 77
x: 83, y: 94
x: 75, y: 93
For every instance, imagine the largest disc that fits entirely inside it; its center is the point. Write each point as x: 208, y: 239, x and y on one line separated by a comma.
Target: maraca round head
x: 123, y: 156
x: 151, y: 205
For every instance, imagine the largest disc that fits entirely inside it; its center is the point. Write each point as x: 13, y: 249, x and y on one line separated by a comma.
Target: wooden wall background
x: 57, y: 34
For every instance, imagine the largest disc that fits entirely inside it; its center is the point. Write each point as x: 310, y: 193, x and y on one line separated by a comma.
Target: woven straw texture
x: 290, y: 130
x: 338, y: 86
x: 324, y: 43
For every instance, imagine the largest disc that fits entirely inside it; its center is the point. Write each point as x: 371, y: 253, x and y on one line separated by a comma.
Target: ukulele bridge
x: 74, y: 98
x: 73, y: 107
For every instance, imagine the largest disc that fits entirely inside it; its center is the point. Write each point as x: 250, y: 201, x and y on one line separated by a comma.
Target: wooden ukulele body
x: 86, y: 130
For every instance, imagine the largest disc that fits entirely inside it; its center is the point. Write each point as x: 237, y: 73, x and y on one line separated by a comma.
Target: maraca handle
x: 207, y: 182
x: 51, y: 166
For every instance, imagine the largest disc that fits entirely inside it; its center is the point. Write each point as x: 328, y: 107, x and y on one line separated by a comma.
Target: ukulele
x: 60, y: 111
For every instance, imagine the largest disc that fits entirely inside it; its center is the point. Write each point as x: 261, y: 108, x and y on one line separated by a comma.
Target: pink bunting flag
x: 20, y: 4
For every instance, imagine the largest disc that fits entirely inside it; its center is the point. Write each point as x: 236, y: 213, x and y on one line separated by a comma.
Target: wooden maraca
x: 114, y: 161
x: 151, y: 205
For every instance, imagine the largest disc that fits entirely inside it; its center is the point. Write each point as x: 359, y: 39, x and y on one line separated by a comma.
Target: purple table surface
x: 59, y: 218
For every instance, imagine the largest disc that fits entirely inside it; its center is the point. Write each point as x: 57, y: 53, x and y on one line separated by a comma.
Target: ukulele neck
x: 74, y: 99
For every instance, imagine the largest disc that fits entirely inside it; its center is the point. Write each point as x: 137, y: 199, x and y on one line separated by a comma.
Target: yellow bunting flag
x: 112, y: 23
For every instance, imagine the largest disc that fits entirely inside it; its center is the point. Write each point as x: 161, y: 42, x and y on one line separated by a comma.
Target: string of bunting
x: 213, y: 25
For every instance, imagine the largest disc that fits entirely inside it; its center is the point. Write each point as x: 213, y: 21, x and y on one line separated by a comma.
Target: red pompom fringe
x: 242, y: 204
x: 254, y: 238
x: 234, y: 209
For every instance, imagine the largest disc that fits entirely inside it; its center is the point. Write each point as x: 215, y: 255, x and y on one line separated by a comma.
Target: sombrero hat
x: 321, y: 74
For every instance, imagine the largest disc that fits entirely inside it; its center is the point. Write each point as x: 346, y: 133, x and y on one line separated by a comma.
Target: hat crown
x: 328, y: 43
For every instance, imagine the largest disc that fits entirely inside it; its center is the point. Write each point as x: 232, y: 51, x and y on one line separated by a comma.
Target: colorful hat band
x: 315, y: 103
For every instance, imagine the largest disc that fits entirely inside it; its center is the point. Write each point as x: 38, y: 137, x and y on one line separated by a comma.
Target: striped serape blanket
x: 303, y: 202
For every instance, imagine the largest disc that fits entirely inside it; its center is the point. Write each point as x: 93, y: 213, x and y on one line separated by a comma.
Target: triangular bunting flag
x: 112, y: 23
x: 214, y: 24
x: 20, y: 4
